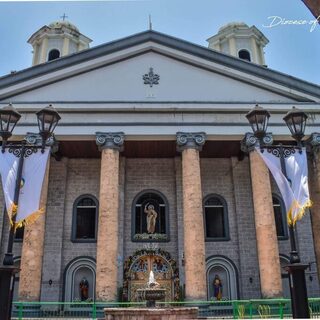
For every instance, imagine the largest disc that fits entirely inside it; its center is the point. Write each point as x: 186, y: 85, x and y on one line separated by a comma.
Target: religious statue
x: 151, y: 217
x: 84, y: 289
x: 152, y: 283
x: 217, y: 287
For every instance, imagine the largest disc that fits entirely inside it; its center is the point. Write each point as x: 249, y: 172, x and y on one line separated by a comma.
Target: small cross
x: 64, y: 16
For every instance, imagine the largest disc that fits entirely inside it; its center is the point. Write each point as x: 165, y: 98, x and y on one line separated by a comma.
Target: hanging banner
x: 294, y: 190
x: 33, y: 172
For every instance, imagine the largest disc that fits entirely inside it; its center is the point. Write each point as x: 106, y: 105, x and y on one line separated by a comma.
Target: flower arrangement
x: 150, y: 236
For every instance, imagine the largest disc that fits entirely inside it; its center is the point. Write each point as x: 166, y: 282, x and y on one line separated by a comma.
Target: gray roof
x: 171, y: 42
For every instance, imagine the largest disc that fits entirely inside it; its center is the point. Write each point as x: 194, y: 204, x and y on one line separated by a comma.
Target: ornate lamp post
x: 48, y: 118
x: 296, y: 122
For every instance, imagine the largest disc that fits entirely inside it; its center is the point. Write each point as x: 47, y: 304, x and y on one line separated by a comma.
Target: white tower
x: 240, y: 40
x: 56, y: 40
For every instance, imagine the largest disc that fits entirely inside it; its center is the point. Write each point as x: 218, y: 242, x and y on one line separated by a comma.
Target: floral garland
x: 148, y: 236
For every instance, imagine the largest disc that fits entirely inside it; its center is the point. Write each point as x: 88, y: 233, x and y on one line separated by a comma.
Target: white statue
x: 152, y: 283
x: 151, y: 218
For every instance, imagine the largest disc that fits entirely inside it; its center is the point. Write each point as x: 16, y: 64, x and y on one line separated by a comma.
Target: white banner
x: 34, y: 168
x: 295, y: 192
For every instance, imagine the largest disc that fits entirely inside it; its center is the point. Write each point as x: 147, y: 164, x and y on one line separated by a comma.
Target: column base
x: 7, y: 276
x: 298, y: 290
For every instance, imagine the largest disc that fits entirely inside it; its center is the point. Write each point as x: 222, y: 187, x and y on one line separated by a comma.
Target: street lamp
x: 8, y: 120
x: 258, y: 119
x: 296, y: 121
x: 48, y: 118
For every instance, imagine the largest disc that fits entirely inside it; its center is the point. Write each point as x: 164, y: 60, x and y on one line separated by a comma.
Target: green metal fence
x: 236, y: 309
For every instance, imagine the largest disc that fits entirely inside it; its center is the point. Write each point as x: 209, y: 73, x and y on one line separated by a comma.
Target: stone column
x: 314, y: 184
x: 108, y: 226
x: 194, y: 247
x: 267, y: 242
x: 32, y: 251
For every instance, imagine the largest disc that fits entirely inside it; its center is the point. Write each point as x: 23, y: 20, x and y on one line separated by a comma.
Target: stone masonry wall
x: 229, y: 178
x: 247, y: 244
x: 144, y: 174
x: 216, y: 177
x: 52, y: 269
x: 68, y: 180
x: 83, y: 178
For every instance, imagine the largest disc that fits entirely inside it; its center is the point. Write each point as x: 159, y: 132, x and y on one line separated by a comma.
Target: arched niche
x: 80, y: 279
x: 227, y: 273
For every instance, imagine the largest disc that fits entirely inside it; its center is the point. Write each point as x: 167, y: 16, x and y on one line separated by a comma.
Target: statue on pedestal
x: 217, y: 287
x: 151, y: 217
x: 84, y: 289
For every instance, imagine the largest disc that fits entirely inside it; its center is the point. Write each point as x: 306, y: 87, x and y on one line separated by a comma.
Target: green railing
x: 236, y: 309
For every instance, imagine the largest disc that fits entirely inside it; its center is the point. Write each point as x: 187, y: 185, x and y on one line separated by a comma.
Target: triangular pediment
x: 123, y: 81
x: 114, y: 72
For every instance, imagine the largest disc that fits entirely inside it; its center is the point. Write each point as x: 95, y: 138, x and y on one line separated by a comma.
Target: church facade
x: 149, y: 174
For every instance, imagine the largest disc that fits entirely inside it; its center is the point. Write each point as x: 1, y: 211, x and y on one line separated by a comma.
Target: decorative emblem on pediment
x: 151, y: 78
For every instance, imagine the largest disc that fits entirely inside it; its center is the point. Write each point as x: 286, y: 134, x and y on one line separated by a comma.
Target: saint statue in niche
x: 151, y: 217
x: 84, y: 289
x: 217, y: 287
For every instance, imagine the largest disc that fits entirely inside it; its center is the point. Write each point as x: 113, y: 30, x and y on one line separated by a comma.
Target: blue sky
x: 293, y: 49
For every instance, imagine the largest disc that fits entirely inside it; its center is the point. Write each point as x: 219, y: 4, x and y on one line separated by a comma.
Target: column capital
x: 110, y: 140
x: 314, y: 141
x: 36, y: 140
x: 190, y: 140
x: 250, y: 141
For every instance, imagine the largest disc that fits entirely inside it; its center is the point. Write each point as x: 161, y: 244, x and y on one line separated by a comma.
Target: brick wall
x: 53, y: 243
x: 229, y: 178
x: 68, y: 180
x: 157, y: 174
x: 247, y: 244
x: 216, y: 177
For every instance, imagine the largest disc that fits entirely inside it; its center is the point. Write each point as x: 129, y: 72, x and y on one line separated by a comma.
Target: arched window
x: 216, y: 218
x: 280, y: 217
x: 150, y: 217
x: 53, y: 54
x: 244, y: 54
x: 85, y: 215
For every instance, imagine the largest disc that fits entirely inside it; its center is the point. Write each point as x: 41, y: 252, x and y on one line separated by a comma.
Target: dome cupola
x: 241, y: 41
x: 56, y: 40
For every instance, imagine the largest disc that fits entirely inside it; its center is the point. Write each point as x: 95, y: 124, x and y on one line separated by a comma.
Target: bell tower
x: 56, y: 40
x: 241, y: 41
